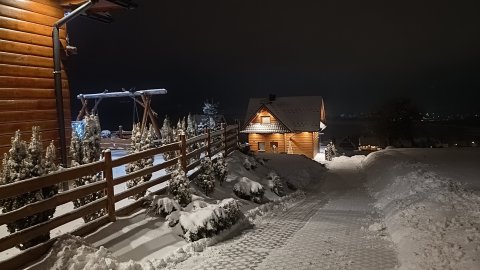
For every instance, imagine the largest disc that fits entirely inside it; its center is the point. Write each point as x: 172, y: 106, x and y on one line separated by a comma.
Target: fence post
x: 108, y: 174
x: 209, y: 151
x: 225, y: 138
x: 183, y: 151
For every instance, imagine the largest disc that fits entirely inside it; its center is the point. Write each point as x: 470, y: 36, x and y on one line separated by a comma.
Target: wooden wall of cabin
x: 301, y: 143
x: 263, y: 112
x: 27, y: 95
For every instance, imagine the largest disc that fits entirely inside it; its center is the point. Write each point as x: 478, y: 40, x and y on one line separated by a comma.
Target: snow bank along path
x: 334, y: 227
x: 430, y: 198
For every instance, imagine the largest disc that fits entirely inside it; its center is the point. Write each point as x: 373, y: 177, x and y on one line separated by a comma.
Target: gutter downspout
x: 57, y: 74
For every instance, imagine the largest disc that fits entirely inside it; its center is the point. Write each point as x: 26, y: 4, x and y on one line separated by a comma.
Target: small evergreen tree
x: 206, y: 179
x: 210, y: 112
x: 191, y: 131
x: 89, y: 151
x: 141, y: 141
x: 220, y: 169
x: 179, y: 186
x: 24, y: 162
x: 330, y: 151
x: 168, y: 136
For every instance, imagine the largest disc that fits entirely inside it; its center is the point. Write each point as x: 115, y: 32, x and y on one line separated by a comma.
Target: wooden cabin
x: 289, y: 125
x: 27, y: 95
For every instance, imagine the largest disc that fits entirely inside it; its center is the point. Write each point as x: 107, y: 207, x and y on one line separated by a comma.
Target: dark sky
x: 356, y: 54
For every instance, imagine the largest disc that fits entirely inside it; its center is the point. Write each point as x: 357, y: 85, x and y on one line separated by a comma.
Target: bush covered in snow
x: 206, y: 179
x: 206, y: 220
x: 179, y: 187
x: 276, y: 184
x: 162, y: 206
x: 83, y: 151
x: 141, y: 141
x: 220, y: 169
x: 249, y: 190
x: 23, y: 162
x: 330, y: 151
x: 249, y: 163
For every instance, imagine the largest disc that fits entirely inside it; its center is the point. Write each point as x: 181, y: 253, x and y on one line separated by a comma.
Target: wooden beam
x: 29, y: 27
x: 24, y: 48
x: 31, y: 93
x: 17, y: 82
x: 31, y: 72
x: 25, y: 15
x: 52, y: 202
x: 36, y: 7
x: 25, y: 60
x: 29, y: 38
x: 25, y: 105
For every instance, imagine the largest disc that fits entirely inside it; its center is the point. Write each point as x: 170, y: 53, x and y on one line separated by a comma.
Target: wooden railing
x: 225, y: 140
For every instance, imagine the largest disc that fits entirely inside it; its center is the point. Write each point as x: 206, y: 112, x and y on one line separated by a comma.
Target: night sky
x: 356, y: 54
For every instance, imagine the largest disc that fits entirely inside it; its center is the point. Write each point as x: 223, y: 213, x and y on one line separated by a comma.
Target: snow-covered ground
x: 430, y: 199
x: 428, y: 204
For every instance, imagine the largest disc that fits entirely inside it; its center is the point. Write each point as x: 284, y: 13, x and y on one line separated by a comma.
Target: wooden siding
x: 300, y: 143
x: 27, y: 95
x: 263, y: 112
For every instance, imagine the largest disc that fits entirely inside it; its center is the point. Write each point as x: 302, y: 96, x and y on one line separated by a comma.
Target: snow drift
x: 431, y: 206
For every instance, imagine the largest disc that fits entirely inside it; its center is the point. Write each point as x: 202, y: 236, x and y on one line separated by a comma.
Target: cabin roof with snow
x: 294, y: 114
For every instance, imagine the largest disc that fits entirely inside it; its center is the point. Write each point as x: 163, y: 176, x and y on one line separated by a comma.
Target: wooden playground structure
x: 122, y: 137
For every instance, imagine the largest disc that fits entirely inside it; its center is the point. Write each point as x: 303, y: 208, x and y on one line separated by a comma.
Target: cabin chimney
x: 271, y: 97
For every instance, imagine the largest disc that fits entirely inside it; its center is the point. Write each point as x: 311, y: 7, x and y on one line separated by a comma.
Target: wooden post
x: 183, y: 151
x: 225, y: 138
x: 108, y: 174
x: 209, y: 151
x: 238, y: 132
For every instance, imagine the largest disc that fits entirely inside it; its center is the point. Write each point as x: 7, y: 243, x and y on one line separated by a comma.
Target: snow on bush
x: 23, y: 162
x: 275, y: 183
x: 249, y: 163
x: 162, y: 206
x: 220, y: 169
x: 179, y: 187
x: 83, y: 151
x: 249, y: 190
x: 209, y: 220
x: 73, y: 253
x: 141, y: 141
x: 432, y: 219
x: 206, y: 179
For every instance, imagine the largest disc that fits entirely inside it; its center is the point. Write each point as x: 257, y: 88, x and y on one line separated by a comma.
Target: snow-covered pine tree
x: 220, y: 168
x: 330, y: 151
x: 210, y: 112
x: 191, y: 131
x: 206, y: 179
x: 50, y: 159
x: 24, y: 162
x: 179, y: 186
x: 141, y: 141
x: 89, y: 151
x: 167, y: 134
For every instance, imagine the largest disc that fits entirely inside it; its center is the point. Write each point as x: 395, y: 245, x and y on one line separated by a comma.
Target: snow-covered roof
x: 296, y: 113
x: 265, y: 128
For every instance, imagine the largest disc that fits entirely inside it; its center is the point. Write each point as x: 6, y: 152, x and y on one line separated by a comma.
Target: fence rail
x: 213, y: 143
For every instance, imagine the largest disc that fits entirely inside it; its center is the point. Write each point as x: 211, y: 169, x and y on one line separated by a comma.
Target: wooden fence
x: 214, y: 142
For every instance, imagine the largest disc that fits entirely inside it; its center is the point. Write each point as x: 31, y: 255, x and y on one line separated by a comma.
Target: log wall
x: 302, y: 143
x: 27, y: 95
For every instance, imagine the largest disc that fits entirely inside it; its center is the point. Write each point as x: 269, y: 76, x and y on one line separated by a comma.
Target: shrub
x: 220, y: 169
x: 209, y: 220
x: 249, y: 190
x: 162, y: 206
x: 206, y: 179
x: 179, y: 187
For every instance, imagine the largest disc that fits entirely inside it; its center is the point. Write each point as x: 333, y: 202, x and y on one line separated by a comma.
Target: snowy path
x: 321, y: 232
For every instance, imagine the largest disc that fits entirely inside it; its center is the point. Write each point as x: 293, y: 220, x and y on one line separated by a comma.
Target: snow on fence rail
x: 225, y: 140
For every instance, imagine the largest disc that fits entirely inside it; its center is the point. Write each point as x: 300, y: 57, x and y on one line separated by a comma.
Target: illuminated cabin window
x: 265, y: 119
x: 261, y: 146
